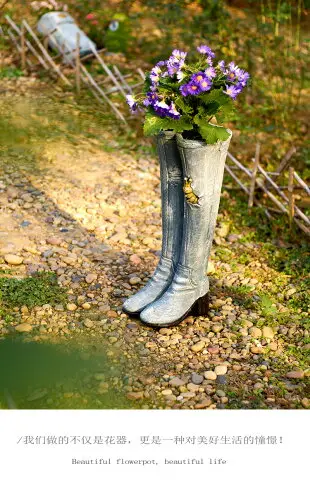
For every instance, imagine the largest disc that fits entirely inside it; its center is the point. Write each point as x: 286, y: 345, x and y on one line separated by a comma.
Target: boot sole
x: 133, y: 314
x: 200, y: 308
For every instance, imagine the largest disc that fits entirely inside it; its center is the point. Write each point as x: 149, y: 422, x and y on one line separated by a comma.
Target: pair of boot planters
x: 191, y: 175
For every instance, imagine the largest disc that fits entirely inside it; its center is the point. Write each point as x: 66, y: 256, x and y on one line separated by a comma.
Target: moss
x: 40, y: 289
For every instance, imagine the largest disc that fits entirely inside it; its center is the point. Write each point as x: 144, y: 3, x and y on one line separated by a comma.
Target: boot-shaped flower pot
x: 203, y: 169
x: 172, y: 196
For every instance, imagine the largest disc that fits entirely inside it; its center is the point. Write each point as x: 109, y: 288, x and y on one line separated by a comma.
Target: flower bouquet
x: 185, y: 104
x: 186, y: 96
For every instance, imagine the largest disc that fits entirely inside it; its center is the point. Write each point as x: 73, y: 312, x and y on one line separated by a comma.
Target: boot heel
x: 201, y: 306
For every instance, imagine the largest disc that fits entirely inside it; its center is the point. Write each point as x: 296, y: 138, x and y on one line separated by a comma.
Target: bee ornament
x: 190, y: 196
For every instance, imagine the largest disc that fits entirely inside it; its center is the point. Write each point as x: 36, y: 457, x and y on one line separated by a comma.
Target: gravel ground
x: 88, y: 210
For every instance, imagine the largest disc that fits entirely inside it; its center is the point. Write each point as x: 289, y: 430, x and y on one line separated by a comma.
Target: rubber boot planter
x: 203, y: 168
x: 171, y: 178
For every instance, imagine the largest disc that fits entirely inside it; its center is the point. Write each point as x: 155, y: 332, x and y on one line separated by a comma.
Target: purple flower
x: 200, y: 79
x: 243, y: 77
x: 155, y: 72
x: 173, y: 112
x: 184, y: 90
x: 151, y: 98
x: 210, y: 72
x: 232, y: 91
x: 179, y: 54
x: 203, y: 49
x: 176, y: 61
x: 205, y: 84
x: 193, y: 89
x: 221, y: 65
x: 132, y: 103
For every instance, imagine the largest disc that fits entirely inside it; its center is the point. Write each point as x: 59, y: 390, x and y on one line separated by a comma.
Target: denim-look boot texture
x: 203, y: 168
x: 172, y: 223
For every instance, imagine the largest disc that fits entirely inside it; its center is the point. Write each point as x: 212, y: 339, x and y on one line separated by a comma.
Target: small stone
x: 113, y: 339
x: 220, y: 393
x: 296, y: 374
x: 305, y: 402
x: 213, y: 349
x: 134, y: 280
x: 91, y: 277
x: 211, y: 268
x: 88, y: 323
x: 220, y: 370
x: 198, y: 346
x: 290, y: 292
x: 13, y: 259
x: 23, y: 328
x: 135, y: 259
x: 257, y: 350
x: 135, y: 395
x: 192, y: 387
x: 203, y: 404
x: 268, y: 332
x: 196, y: 378
x: 167, y: 391
x: 176, y: 382
x: 210, y: 375
x: 86, y: 305
x: 71, y: 307
x: 255, y: 332
x: 217, y: 327
x: 221, y: 379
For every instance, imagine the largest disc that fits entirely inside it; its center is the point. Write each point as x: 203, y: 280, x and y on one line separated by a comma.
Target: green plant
x: 39, y: 289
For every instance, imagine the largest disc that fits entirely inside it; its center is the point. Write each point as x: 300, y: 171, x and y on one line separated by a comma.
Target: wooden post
x: 254, y: 172
x: 290, y: 188
x: 78, y: 64
x: 23, y: 47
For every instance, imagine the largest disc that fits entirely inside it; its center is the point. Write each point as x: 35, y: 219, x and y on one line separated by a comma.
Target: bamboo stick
x: 290, y: 188
x: 286, y: 199
x: 253, y: 178
x: 122, y: 78
x: 15, y: 42
x: 95, y: 86
x: 46, y: 54
x: 78, y: 64
x: 28, y: 44
x: 23, y: 47
x: 302, y: 183
x: 108, y: 71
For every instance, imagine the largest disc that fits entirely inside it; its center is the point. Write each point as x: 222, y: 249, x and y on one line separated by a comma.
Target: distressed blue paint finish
x: 204, y: 165
x: 171, y: 177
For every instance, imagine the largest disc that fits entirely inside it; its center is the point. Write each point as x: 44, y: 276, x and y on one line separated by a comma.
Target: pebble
x: 255, y: 332
x: 167, y: 391
x: 71, y: 307
x: 305, y: 402
x: 210, y: 375
x: 196, y: 378
x: 91, y: 277
x: 176, y: 382
x: 135, y: 395
x: 220, y: 370
x: 296, y: 374
x: 23, y: 328
x: 134, y: 280
x: 268, y: 332
x: 13, y: 259
x: 198, y: 346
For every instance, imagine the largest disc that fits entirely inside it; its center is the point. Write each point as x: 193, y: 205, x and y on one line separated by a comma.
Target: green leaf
x: 154, y: 124
x: 182, y: 105
x: 212, y: 133
x: 208, y: 109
